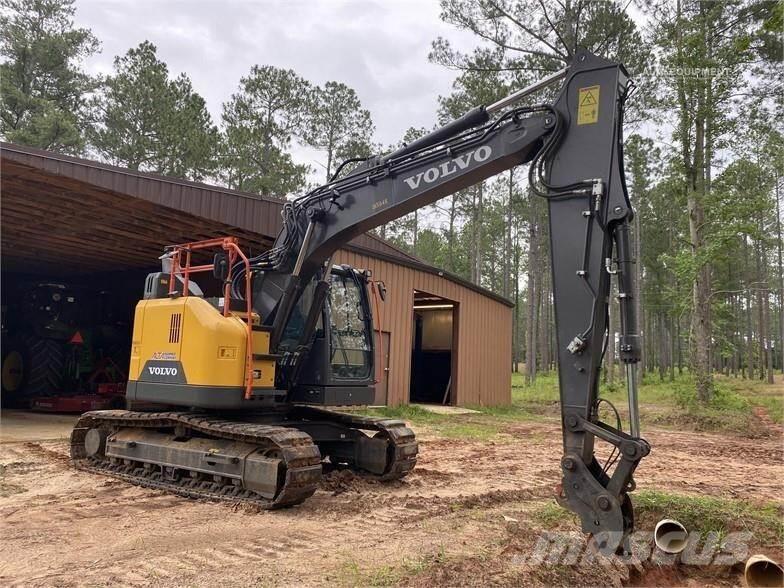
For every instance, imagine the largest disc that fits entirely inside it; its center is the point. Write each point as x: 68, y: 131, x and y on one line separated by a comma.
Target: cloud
x: 377, y: 47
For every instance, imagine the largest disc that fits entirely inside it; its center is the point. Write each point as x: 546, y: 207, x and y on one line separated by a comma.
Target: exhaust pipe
x: 670, y: 536
x: 762, y: 571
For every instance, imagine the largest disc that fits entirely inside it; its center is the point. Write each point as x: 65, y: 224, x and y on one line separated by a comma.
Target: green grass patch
x: 550, y: 515
x: 406, y: 412
x: 773, y: 405
x: 483, y: 425
x: 663, y: 403
x: 353, y: 574
x: 710, y: 513
x: 477, y: 431
x: 667, y: 403
x: 759, y: 393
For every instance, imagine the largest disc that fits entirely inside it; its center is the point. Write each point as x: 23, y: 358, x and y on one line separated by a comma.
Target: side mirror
x: 382, y: 290
x: 220, y: 266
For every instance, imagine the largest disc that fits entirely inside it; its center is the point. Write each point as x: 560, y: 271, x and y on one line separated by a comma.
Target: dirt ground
x: 465, y: 504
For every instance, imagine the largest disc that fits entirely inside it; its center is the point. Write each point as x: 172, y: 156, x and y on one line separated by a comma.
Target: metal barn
x: 75, y: 225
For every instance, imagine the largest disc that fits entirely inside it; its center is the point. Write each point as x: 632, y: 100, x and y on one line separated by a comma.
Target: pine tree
x: 260, y: 121
x: 43, y: 89
x: 338, y: 125
x: 149, y: 122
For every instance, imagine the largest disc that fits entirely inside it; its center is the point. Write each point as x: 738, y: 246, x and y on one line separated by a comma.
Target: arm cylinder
x: 630, y: 339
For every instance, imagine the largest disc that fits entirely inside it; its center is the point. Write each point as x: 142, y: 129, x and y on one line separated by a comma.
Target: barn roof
x: 68, y: 215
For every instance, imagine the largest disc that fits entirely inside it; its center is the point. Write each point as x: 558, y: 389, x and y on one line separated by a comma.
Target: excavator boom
x: 574, y: 147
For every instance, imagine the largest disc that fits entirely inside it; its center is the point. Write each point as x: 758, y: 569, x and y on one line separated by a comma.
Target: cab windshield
x: 350, y: 353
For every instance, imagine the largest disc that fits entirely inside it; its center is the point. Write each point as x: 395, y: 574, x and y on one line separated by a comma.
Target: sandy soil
x: 66, y: 528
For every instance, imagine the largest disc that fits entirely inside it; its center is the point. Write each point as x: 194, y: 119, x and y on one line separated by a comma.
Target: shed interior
x: 432, y: 350
x: 74, y: 260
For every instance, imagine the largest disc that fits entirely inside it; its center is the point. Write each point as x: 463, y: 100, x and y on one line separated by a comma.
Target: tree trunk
x: 693, y: 124
x: 451, y: 236
x: 477, y: 236
x: 761, y: 327
x: 671, y: 349
x: 680, y: 346
x: 508, y: 237
x: 415, y: 231
x: 749, y: 335
x: 662, y: 347
x: 542, y: 321
x: 516, y: 326
x: 781, y: 272
x: 700, y: 321
x: 638, y: 289
x: 767, y: 333
x: 533, y: 262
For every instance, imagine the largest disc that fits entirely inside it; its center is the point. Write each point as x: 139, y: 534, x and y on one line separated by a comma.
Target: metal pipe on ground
x: 670, y: 536
x: 763, y: 571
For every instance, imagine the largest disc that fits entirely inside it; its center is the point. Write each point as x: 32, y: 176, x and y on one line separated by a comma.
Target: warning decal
x: 588, y: 105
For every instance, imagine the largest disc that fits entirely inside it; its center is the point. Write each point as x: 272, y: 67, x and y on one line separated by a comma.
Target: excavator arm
x: 574, y: 147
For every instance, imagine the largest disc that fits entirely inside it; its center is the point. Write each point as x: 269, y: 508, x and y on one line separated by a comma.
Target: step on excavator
x: 245, y: 376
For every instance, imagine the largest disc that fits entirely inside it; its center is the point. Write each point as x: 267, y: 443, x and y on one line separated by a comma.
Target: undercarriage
x: 269, y: 463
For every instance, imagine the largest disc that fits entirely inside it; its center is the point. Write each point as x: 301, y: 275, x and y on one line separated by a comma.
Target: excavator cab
x: 339, y: 370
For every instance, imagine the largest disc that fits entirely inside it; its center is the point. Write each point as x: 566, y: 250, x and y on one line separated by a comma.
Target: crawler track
x: 403, y: 447
x: 297, y: 450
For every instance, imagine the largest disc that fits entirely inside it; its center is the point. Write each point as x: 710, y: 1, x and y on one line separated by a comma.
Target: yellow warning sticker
x: 588, y: 105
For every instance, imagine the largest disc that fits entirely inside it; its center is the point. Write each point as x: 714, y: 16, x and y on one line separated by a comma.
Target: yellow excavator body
x: 187, y: 341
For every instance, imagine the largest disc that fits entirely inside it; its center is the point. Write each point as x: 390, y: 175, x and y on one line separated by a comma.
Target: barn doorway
x: 433, y: 353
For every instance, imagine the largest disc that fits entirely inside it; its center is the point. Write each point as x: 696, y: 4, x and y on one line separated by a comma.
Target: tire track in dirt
x: 73, y: 527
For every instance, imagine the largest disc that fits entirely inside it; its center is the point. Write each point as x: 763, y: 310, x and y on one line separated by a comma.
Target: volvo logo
x: 162, y: 371
x: 450, y: 167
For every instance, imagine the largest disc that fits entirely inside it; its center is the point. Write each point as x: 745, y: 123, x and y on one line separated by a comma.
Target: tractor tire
x: 13, y: 369
x: 31, y: 366
x: 46, y: 363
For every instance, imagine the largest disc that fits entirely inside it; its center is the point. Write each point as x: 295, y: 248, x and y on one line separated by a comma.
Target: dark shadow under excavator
x: 243, y: 377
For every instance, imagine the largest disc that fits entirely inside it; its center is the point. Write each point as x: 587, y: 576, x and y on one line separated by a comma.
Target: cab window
x: 350, y: 354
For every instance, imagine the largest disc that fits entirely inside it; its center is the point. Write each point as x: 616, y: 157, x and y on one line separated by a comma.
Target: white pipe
x: 762, y: 571
x: 670, y: 536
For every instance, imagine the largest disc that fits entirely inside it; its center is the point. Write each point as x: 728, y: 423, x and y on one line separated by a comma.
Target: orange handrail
x: 228, y: 244
x: 232, y: 246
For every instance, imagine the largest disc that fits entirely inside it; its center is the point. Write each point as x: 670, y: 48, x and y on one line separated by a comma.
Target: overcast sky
x: 378, y: 47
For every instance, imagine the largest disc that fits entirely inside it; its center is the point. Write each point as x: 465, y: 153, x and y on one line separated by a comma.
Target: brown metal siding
x: 484, y: 338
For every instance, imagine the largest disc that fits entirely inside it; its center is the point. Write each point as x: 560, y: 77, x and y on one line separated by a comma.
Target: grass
x: 354, y: 574
x: 484, y: 425
x: 549, y: 515
x: 757, y: 393
x: 710, y: 513
x: 669, y: 404
x: 773, y: 405
x: 697, y: 513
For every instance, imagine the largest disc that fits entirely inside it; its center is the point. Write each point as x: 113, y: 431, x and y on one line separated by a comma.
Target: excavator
x: 245, y: 377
